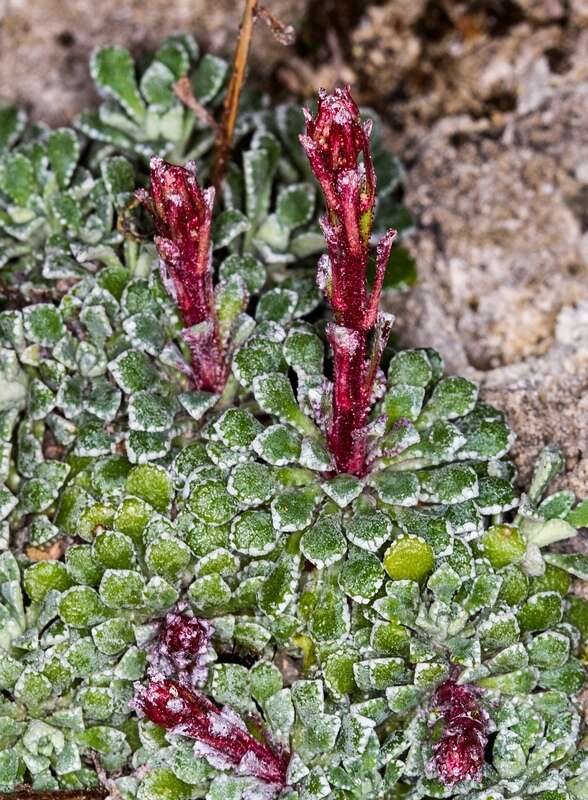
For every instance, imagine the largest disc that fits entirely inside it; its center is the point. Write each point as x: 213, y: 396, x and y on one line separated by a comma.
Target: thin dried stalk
x: 183, y: 91
x: 226, y: 130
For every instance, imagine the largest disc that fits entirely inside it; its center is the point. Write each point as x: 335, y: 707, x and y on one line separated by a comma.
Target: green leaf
x: 247, y: 267
x: 119, y: 178
x: 401, y: 272
x: 12, y: 124
x: 275, y: 395
x: 17, y: 178
x: 361, y: 575
x: 211, y: 503
x: 294, y: 510
x: 574, y: 563
x: 277, y: 305
x: 121, y: 588
x: 44, y: 576
x: 81, y: 607
x: 323, y: 544
x: 452, y: 397
x: 63, y: 149
x: 252, y: 484
x: 578, y: 517
x: 229, y: 224
x: 168, y: 557
x: 259, y: 166
x: 295, y: 205
x: 278, y: 445
x: 151, y: 482
x: 304, y: 352
x: 150, y: 412
x: 453, y: 483
x: 208, y: 78
x: 113, y: 71
x: 157, y: 85
x: 253, y: 533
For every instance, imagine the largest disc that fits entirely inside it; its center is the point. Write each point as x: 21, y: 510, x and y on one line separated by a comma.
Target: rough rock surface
x: 487, y: 103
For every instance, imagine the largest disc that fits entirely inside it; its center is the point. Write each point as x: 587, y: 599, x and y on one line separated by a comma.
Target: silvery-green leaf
x: 304, y: 351
x: 133, y: 371
x: 252, y: 484
x: 253, y: 533
x: 248, y: 267
x: 209, y: 77
x: 277, y: 305
x: 274, y: 394
x: 452, y: 397
x: 361, y: 575
x: 449, y: 484
x: 323, y: 543
x: 227, y: 226
x: 343, y: 489
x: 295, y: 205
x: 113, y: 72
x: 294, y: 510
x: 495, y: 495
x: 410, y: 368
x: 278, y: 445
x: 396, y: 488
x: 257, y: 357
x: 12, y: 124
x: 369, y: 530
x: 17, y: 178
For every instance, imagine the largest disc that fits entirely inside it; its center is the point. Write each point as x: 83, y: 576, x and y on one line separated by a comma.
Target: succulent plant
x: 178, y: 576
x: 248, y: 549
x: 293, y: 575
x: 57, y: 219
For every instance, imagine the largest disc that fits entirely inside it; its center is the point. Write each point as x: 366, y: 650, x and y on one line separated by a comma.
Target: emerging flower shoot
x: 221, y: 735
x: 182, y: 214
x: 182, y: 648
x: 459, y: 753
x: 337, y: 145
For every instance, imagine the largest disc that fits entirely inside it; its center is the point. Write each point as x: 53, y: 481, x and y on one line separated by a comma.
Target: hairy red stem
x: 182, y: 214
x: 337, y: 146
x: 220, y: 734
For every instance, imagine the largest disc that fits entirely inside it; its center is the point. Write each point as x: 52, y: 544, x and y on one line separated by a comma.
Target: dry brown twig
x: 224, y: 137
x: 183, y: 91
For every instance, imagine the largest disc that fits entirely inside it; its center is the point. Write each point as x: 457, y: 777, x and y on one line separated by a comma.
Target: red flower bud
x: 220, y: 734
x: 459, y: 754
x: 182, y: 215
x: 334, y: 141
x: 182, y: 648
x: 337, y: 145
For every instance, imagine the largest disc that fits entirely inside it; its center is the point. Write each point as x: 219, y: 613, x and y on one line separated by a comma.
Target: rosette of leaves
x: 57, y: 220
x: 102, y: 372
x: 71, y: 661
x: 141, y: 115
x: 370, y: 630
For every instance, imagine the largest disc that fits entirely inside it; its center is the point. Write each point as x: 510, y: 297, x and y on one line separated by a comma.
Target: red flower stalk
x: 221, y: 735
x: 182, y: 648
x: 182, y: 214
x: 459, y: 754
x: 337, y: 145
